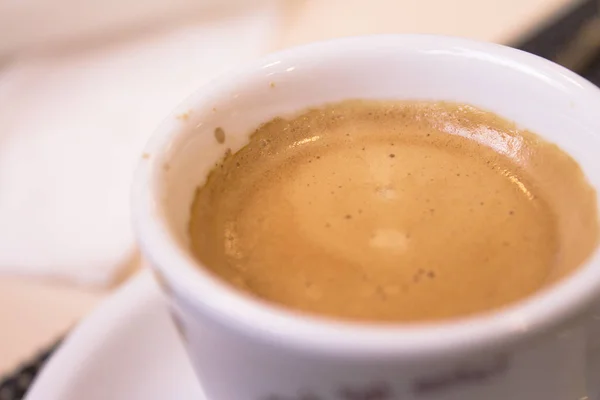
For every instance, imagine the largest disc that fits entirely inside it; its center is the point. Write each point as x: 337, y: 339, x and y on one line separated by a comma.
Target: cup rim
x: 207, y: 295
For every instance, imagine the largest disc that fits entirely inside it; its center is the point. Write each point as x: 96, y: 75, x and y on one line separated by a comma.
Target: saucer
x: 127, y: 349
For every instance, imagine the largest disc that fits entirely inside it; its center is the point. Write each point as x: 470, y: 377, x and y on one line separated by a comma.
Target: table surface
x: 35, y: 312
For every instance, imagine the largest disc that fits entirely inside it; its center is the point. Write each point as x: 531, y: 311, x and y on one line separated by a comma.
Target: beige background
x: 501, y: 21
x: 34, y: 313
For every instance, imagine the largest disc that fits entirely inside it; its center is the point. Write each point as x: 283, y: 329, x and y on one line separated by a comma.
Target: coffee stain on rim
x: 219, y: 135
x: 184, y: 116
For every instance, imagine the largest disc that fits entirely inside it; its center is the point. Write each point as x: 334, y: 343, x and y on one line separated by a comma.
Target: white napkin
x: 72, y: 128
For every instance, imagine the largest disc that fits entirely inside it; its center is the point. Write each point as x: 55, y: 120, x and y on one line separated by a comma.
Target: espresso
x: 394, y: 211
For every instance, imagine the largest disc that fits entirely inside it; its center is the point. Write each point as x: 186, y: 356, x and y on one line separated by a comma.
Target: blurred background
x: 83, y: 83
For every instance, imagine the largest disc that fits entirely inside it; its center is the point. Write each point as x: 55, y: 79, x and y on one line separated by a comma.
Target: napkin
x: 72, y: 127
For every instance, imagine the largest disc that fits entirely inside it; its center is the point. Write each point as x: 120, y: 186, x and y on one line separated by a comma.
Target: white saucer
x: 126, y: 350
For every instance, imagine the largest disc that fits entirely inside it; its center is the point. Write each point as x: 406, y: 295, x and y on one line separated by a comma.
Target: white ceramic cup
x: 542, y: 348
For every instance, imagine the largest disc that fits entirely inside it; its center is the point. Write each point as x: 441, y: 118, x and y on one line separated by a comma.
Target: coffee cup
x: 543, y: 347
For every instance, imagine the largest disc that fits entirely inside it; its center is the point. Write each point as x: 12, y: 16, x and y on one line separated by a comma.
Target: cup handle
x: 593, y: 355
